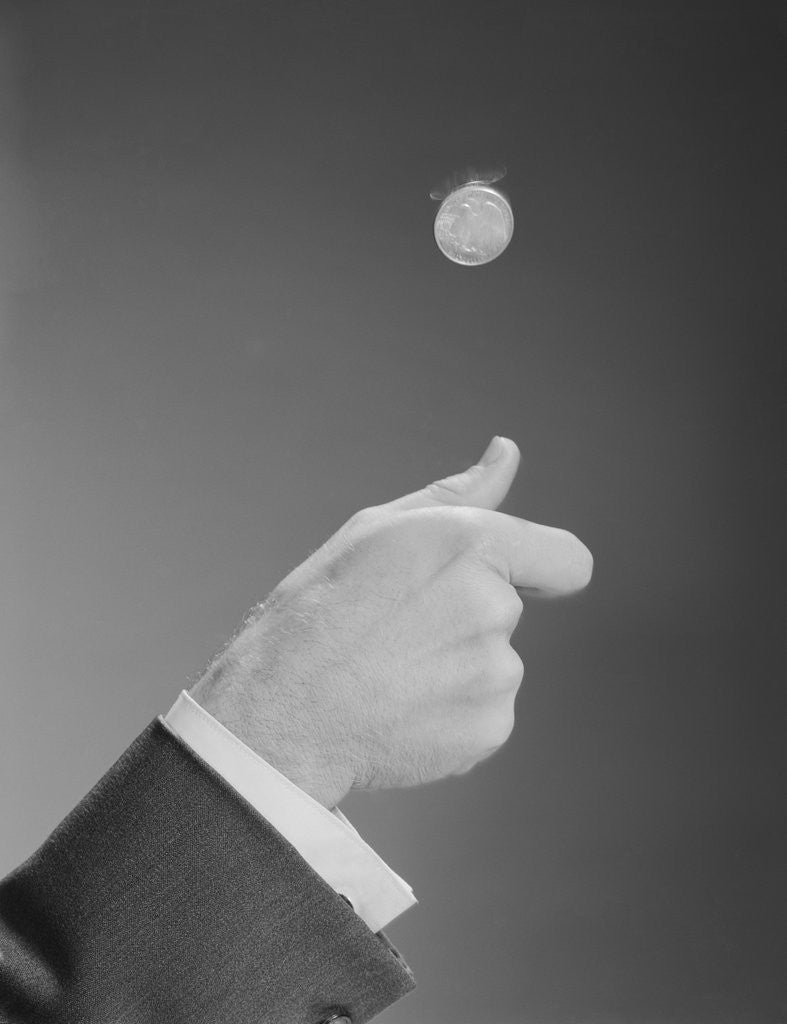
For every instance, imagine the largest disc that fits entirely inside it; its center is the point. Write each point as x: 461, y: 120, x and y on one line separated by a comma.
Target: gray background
x: 226, y: 327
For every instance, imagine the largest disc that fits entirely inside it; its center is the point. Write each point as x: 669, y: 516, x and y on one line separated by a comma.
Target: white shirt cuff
x: 325, y: 839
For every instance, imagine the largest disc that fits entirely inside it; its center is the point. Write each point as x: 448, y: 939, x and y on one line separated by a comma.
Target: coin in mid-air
x: 474, y: 224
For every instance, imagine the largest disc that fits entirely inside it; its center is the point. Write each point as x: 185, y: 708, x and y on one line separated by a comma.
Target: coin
x: 474, y: 224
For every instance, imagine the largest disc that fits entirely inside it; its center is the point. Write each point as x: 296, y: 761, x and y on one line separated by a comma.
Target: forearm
x: 164, y: 896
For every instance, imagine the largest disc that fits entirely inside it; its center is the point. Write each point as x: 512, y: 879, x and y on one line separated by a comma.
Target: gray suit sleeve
x: 164, y: 896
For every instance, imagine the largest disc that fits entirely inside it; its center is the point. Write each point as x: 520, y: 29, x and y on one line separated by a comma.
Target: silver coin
x: 474, y: 224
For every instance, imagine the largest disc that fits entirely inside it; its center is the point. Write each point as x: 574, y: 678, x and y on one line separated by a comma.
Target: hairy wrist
x: 258, y: 708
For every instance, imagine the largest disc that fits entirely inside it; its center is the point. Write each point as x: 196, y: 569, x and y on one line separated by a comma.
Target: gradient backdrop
x: 226, y: 327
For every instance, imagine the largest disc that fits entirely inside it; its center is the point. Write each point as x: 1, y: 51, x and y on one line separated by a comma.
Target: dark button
x: 337, y: 1018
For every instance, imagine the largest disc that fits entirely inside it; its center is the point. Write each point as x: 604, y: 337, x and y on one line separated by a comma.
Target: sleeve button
x: 337, y: 1018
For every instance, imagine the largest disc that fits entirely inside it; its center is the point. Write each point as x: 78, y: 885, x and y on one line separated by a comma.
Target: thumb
x: 483, y: 485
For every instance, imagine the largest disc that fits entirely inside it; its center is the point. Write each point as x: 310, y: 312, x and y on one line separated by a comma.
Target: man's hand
x: 384, y: 659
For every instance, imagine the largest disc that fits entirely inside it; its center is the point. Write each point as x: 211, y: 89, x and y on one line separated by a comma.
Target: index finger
x: 551, y: 561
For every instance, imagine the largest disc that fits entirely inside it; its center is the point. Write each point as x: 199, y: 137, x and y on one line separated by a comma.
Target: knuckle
x: 517, y: 668
x: 441, y: 490
x: 474, y: 537
x: 506, y: 726
x: 498, y: 729
x: 476, y: 526
x: 498, y: 672
x: 362, y: 518
x: 498, y: 612
x: 510, y: 610
x: 510, y: 668
x: 454, y: 487
x: 463, y: 529
x: 469, y: 521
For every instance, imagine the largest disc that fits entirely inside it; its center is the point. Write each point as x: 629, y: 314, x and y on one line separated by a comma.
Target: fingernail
x: 493, y: 452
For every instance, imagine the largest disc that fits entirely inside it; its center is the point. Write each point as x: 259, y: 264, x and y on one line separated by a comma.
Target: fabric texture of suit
x: 164, y: 896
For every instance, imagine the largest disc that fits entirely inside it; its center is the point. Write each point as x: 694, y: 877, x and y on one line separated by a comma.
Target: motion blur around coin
x: 384, y: 660
x: 475, y: 222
